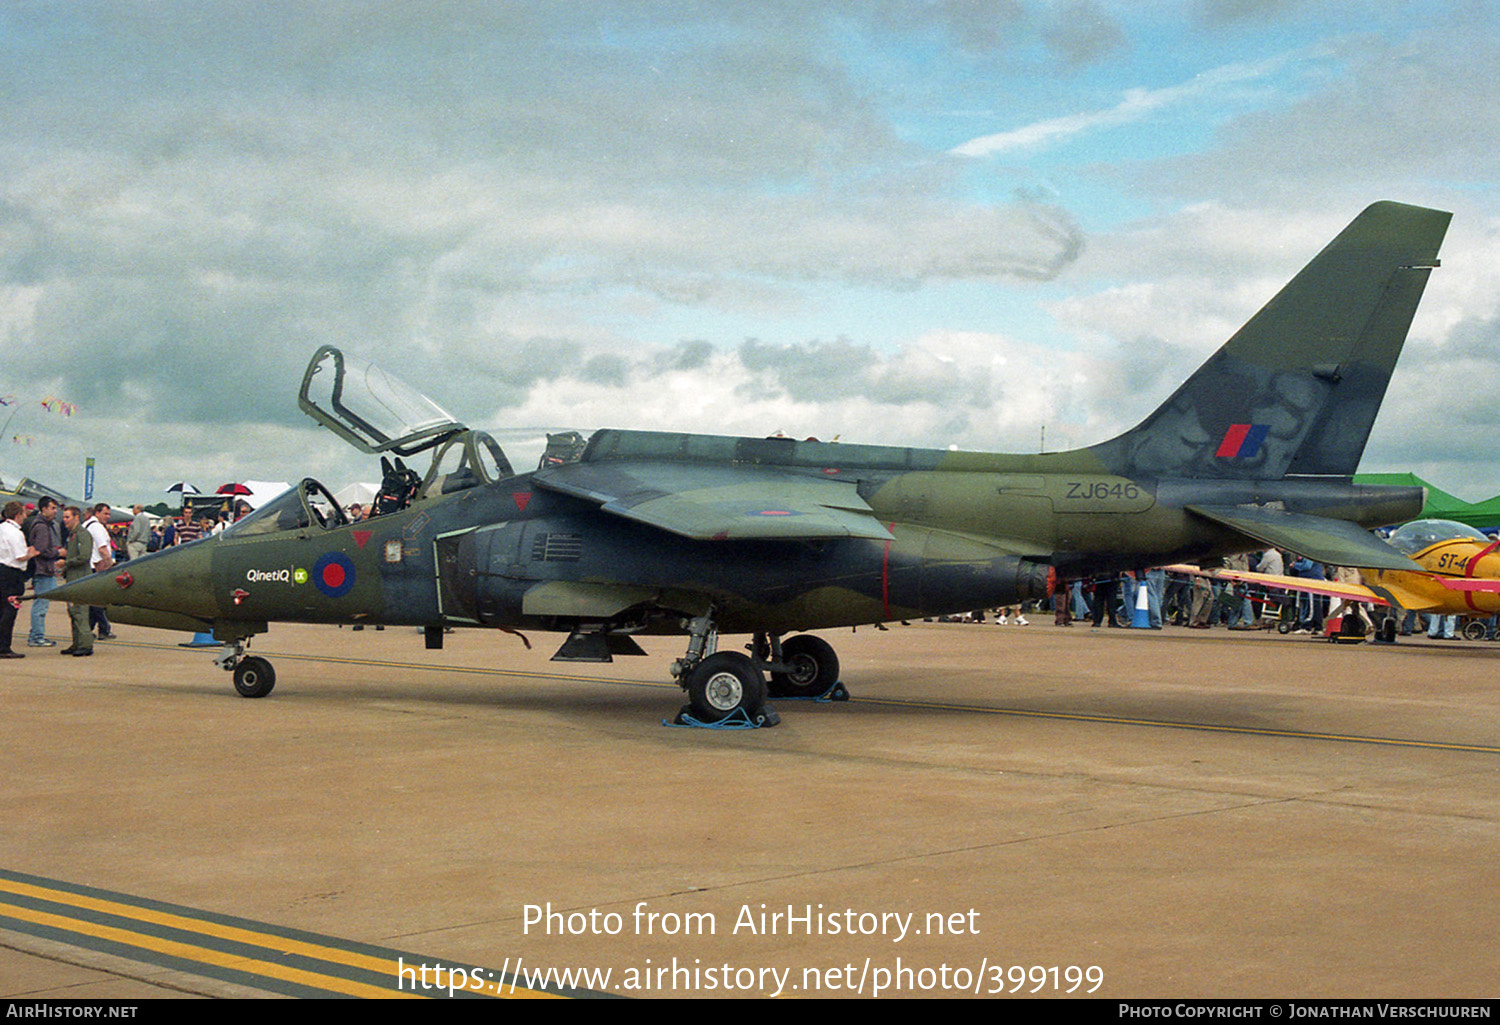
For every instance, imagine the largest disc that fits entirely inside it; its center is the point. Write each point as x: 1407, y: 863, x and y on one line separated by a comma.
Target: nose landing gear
x: 253, y: 675
x: 720, y: 684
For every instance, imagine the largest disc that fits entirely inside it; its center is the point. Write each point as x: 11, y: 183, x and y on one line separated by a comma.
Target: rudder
x: 1295, y: 391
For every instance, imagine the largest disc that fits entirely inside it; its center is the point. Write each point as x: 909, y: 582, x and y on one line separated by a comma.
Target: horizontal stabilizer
x: 1304, y: 585
x: 1386, y: 591
x: 1335, y: 542
x: 719, y: 503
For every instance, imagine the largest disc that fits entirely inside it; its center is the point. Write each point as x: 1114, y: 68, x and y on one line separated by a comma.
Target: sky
x: 998, y: 225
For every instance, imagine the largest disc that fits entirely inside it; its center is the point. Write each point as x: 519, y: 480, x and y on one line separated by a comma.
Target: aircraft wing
x: 1332, y: 588
x: 718, y: 503
x: 1386, y: 590
x: 1335, y: 542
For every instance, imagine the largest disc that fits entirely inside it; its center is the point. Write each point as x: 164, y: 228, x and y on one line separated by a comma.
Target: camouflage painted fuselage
x: 965, y: 531
x: 641, y: 530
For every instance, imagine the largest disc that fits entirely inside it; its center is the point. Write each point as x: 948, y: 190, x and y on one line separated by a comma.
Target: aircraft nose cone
x: 95, y: 589
x: 176, y: 580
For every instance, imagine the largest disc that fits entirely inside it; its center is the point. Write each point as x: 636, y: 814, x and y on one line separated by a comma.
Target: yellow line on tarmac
x: 284, y: 944
x: 236, y: 934
x: 204, y: 955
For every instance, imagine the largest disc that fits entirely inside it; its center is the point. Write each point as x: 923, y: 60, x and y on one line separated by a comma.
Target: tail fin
x: 1296, y: 390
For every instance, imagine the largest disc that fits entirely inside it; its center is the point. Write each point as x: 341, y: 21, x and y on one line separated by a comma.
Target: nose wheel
x: 253, y: 675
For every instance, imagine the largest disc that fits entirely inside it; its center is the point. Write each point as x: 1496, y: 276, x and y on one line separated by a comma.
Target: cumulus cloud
x: 545, y: 213
x: 975, y: 390
x: 1399, y: 110
x: 189, y: 200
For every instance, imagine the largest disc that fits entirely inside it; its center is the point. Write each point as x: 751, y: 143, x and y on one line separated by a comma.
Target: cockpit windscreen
x: 1420, y: 534
x: 369, y: 407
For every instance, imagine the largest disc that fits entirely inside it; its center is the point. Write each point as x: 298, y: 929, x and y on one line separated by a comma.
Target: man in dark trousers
x: 43, y: 535
x: 76, y: 567
x: 15, y: 553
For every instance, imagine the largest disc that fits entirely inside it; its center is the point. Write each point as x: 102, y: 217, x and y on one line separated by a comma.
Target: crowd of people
x: 45, y: 545
x: 1199, y: 601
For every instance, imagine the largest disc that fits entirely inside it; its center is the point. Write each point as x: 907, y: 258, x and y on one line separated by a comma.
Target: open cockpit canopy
x: 379, y: 413
x: 369, y: 408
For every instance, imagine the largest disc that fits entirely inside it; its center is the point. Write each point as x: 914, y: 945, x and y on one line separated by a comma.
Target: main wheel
x: 725, y: 683
x: 254, y: 677
x: 812, y: 668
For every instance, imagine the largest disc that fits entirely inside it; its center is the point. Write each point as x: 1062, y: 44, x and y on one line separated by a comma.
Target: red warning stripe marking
x: 1233, y: 439
x: 885, y: 573
x: 1470, y: 566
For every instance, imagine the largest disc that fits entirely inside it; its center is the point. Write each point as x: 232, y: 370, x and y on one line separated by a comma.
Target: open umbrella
x: 233, y: 489
x: 184, y: 487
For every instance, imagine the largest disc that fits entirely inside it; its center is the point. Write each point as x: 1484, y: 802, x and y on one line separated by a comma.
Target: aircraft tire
x: 815, y: 668
x: 254, y: 677
x: 723, y: 684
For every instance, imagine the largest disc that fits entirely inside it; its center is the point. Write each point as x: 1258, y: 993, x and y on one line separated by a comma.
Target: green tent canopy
x: 1440, y: 505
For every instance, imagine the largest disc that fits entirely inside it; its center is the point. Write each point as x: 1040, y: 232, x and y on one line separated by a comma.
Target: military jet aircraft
x: 29, y: 491
x: 639, y: 532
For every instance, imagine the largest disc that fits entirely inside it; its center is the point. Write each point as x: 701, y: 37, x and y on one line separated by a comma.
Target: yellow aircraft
x: 1462, y: 574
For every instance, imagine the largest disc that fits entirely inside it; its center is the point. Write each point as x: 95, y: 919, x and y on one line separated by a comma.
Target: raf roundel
x: 333, y: 574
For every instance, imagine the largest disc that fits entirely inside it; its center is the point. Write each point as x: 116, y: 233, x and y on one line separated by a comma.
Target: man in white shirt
x: 1270, y: 563
x: 101, y: 557
x: 14, y: 554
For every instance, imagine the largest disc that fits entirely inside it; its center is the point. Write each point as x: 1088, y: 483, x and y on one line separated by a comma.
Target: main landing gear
x: 729, y: 685
x: 253, y: 675
x: 811, y: 667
